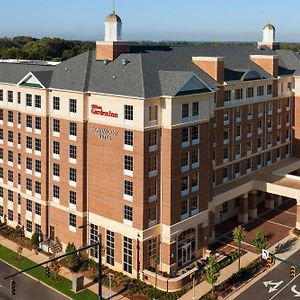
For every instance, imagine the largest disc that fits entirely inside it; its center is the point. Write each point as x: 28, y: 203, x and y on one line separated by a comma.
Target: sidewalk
x: 203, y: 288
x: 38, y: 258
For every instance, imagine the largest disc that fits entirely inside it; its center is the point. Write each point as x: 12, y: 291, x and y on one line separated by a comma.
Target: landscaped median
x: 62, y: 285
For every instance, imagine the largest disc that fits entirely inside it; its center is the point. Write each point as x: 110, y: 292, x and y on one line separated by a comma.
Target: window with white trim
x: 73, y: 151
x: 73, y: 174
x: 10, y: 136
x: 260, y: 91
x: 56, y: 147
x: 28, y: 100
x: 128, y: 188
x: 93, y: 240
x: 128, y: 213
x: 38, y: 101
x: 72, y: 220
x: 127, y: 254
x: 153, y: 113
x: 10, y: 176
x: 128, y: 138
x: 28, y: 163
x: 72, y: 197
x: 28, y: 205
x: 73, y: 106
x: 10, y: 117
x: 10, y: 96
x: 56, y: 103
x: 38, y: 123
x: 28, y: 142
x: 128, y: 112
x: 10, y: 196
x: 73, y: 129
x: 28, y: 184
x: 195, y: 109
x: 38, y: 188
x: 28, y: 226
x: 110, y: 247
x: 56, y: 191
x: 38, y: 145
x: 56, y: 169
x: 10, y: 215
x: 128, y: 163
x: 10, y: 156
x: 249, y: 92
x: 56, y: 125
x: 185, y: 110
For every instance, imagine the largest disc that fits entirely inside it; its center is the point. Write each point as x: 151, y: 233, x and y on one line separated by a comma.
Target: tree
x: 73, y: 259
x: 239, y: 234
x: 259, y: 241
x: 35, y: 240
x: 211, y: 272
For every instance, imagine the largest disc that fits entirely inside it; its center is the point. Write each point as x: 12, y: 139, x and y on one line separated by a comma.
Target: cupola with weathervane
x: 269, y: 36
x: 112, y: 46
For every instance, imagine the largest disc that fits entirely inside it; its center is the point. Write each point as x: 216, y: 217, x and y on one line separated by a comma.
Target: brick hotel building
x: 149, y: 146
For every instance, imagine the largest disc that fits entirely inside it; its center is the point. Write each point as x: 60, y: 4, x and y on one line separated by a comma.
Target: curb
x: 33, y: 278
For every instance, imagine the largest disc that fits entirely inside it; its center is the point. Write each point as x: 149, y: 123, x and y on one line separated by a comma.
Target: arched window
x: 251, y: 75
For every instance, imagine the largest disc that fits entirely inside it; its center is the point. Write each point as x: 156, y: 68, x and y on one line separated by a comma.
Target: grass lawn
x: 64, y: 285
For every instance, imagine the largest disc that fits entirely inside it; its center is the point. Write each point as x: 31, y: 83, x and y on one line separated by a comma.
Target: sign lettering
x: 105, y: 134
x: 98, y: 110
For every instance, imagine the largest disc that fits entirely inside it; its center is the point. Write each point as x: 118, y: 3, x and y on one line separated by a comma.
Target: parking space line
x: 284, y: 287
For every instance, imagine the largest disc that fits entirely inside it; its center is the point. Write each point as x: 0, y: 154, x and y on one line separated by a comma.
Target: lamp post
x: 99, y: 262
x: 138, y: 256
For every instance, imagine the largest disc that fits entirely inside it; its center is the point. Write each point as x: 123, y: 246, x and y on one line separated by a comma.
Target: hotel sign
x: 104, y: 134
x: 98, y: 110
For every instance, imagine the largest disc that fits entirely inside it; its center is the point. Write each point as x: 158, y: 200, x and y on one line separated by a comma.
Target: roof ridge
x: 142, y: 75
x: 87, y: 71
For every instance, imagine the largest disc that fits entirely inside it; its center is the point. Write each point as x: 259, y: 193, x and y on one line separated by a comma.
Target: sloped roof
x: 150, y: 71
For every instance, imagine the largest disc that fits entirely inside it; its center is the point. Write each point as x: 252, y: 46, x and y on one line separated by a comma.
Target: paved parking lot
x: 276, y: 224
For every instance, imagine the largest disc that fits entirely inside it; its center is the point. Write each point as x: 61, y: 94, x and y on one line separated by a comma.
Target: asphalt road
x: 26, y: 288
x: 276, y: 285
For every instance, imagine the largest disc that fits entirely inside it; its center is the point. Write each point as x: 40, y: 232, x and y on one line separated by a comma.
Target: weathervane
x: 114, y: 7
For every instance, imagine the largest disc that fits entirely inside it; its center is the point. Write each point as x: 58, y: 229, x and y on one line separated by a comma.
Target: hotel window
x: 38, y: 145
x: 28, y: 100
x: 28, y: 142
x: 152, y: 216
x: 1, y: 211
x: 38, y: 187
x: 185, y: 110
x: 227, y: 96
x: 56, y: 147
x: 194, y: 204
x: 10, y: 156
x: 10, y: 136
x: 19, y: 179
x: 225, y: 153
x: 128, y: 112
x: 226, y: 135
x: 56, y: 125
x: 185, y: 159
x: 269, y: 89
x: 259, y: 160
x: 93, y: 240
x: 249, y: 128
x: 269, y: 140
x: 153, y: 113
x: 29, y: 121
x: 110, y: 247
x: 127, y: 255
x: 249, y: 92
x: 250, y: 111
x: 56, y: 103
x: 259, y: 142
x: 128, y: 138
x: 10, y: 96
x: 281, y: 88
x: 289, y: 86
x: 184, y: 183
x: 73, y: 106
x: 238, y: 94
x: 288, y: 117
x: 238, y: 131
x: 38, y: 123
x: 10, y: 215
x: 28, y: 163
x: 1, y: 173
x: 279, y: 104
x: 28, y: 226
x: 10, y: 176
x: 195, y: 156
x: 56, y: 170
x: 195, y: 109
x: 1, y: 114
x: 10, y: 116
x: 152, y: 138
x: 185, y: 135
x: 38, y: 228
x: 38, y: 101
x: 249, y: 147
x: 19, y: 219
x: 225, y: 207
x: 1, y: 153
x: 28, y: 184
x: 260, y: 108
x: 237, y: 112
x: 1, y: 95
x: 73, y: 129
x: 226, y: 116
x: 1, y: 192
x: 128, y: 163
x: 72, y: 174
x: 1, y: 134
x: 195, y: 181
x: 260, y: 91
x: 128, y: 213
x: 225, y: 173
x: 19, y: 158
x: 260, y: 124
x: 279, y: 120
x: 195, y: 133
x: 184, y: 209
x: 152, y: 189
x: 56, y: 191
x: 249, y: 164
x: 72, y: 197
x: 278, y: 137
x: 19, y: 138
x: 72, y: 220
x: 38, y: 166
x: 270, y: 123
x: 10, y: 196
x: 73, y: 151
x: 28, y: 205
x: 236, y: 168
x: 19, y: 98
x: 128, y: 188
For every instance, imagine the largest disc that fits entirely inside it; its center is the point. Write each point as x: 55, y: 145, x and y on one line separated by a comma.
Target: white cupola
x: 113, y: 28
x: 269, y: 34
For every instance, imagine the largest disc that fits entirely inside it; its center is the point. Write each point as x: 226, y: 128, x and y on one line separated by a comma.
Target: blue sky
x: 196, y: 20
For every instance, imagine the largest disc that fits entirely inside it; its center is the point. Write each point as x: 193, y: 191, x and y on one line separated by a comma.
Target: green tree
x: 211, y: 272
x: 73, y: 259
x: 259, y: 241
x: 239, y: 234
x: 35, y: 240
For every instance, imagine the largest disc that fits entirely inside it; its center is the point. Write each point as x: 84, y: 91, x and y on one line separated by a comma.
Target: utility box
x: 77, y: 283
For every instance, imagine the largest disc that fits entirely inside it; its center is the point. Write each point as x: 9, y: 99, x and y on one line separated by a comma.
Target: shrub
x: 73, y: 259
x: 35, y: 239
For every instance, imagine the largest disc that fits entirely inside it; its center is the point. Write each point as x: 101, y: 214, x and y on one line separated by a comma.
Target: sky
x: 187, y: 20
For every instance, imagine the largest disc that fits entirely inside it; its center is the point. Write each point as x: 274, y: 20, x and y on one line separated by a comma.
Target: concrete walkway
x: 203, y: 288
x: 40, y: 257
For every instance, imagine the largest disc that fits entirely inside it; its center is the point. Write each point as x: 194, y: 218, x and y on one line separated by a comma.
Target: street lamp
x: 99, y: 262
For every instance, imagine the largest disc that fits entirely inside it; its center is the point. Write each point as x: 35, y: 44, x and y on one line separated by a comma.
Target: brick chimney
x: 213, y: 66
x: 267, y: 62
x: 111, y: 50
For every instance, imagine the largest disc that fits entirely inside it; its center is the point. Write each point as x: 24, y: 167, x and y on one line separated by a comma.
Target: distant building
x: 150, y: 146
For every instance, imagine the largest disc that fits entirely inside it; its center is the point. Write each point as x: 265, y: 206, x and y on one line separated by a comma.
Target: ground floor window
x: 94, y: 240
x: 28, y: 226
x: 127, y: 256
x: 110, y: 247
x: 37, y: 228
x: 152, y: 253
x: 10, y: 215
x: 186, y: 246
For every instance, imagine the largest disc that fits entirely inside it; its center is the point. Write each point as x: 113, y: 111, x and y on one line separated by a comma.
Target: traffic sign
x: 265, y: 254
